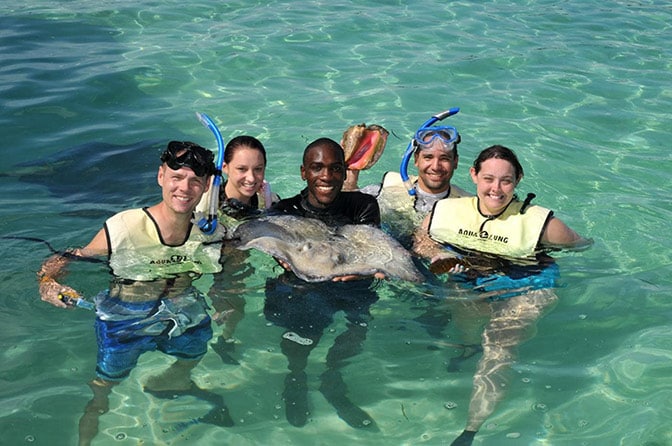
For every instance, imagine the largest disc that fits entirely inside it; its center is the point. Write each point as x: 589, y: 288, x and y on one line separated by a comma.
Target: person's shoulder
x: 453, y: 203
x: 129, y: 213
x: 458, y: 199
x: 286, y: 205
x: 360, y: 208
x: 458, y: 192
x: 358, y: 196
x: 392, y: 176
x: 285, y: 201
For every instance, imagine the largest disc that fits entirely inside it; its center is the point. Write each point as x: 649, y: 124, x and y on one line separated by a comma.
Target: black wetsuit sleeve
x: 366, y: 210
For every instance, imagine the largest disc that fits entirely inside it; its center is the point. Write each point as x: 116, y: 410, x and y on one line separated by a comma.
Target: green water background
x: 582, y: 90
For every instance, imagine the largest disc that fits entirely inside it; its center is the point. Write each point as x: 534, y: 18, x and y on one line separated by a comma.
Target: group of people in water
x: 490, y: 243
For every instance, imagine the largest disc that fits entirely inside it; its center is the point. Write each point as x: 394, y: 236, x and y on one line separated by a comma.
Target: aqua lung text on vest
x: 483, y: 235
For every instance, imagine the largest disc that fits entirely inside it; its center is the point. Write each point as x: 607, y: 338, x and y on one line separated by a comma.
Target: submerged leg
x: 98, y: 405
x: 176, y: 381
x: 512, y: 322
x: 230, y: 311
x: 455, y: 363
x: 296, y: 349
x: 334, y: 389
x: 224, y: 347
x: 176, y: 377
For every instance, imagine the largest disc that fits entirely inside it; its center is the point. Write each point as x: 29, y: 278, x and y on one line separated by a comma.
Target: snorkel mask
x: 195, y: 157
x: 424, y: 138
x: 447, y: 135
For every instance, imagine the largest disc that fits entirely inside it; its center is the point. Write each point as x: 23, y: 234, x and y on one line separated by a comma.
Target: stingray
x: 318, y: 253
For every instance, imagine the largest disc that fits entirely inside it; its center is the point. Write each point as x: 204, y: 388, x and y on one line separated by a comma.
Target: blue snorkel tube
x: 209, y: 224
x: 403, y: 168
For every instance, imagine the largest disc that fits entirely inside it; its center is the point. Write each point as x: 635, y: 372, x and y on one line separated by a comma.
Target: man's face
x: 435, y: 168
x: 182, y: 189
x: 324, y: 173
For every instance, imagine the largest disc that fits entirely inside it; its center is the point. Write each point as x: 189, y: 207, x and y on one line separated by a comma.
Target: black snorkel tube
x: 403, y: 168
x: 209, y: 224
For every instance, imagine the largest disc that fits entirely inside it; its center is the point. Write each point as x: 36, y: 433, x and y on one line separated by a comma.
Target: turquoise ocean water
x: 582, y: 90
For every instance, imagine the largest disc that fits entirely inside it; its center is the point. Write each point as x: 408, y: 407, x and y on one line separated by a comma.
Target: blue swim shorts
x: 121, y: 342
x: 499, y: 286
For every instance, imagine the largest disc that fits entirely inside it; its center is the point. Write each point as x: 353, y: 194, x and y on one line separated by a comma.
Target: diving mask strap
x: 526, y: 203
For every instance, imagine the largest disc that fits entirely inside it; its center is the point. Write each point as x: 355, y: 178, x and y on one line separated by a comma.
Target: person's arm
x: 558, y: 235
x: 351, y: 179
x: 367, y: 211
x: 53, y: 269
x: 423, y: 244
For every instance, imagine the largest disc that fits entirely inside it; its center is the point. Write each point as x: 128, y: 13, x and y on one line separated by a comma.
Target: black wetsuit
x: 237, y: 209
x: 311, y: 314
x: 307, y: 309
x: 349, y: 208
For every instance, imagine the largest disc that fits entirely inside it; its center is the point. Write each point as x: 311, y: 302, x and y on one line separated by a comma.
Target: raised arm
x: 351, y: 180
x: 54, y: 268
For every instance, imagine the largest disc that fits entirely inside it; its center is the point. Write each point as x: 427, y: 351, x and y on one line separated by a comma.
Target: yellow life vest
x: 138, y: 253
x: 459, y: 223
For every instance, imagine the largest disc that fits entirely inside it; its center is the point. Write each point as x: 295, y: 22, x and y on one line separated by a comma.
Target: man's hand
x: 50, y: 291
x: 282, y: 263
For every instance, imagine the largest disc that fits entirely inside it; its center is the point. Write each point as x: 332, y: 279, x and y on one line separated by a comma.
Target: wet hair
x: 499, y: 152
x: 240, y: 142
x: 326, y: 143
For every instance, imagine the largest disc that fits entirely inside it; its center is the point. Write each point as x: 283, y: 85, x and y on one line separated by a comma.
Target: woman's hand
x: 443, y: 263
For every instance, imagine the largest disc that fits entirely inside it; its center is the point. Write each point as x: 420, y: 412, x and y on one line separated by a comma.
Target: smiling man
x: 306, y: 309
x: 323, y: 169
x: 155, y: 254
x: 435, y: 157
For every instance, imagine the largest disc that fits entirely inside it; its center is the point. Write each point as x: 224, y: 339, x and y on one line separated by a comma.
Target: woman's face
x: 495, y: 185
x: 245, y: 174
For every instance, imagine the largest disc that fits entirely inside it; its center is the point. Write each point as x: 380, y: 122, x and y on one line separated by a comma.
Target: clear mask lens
x: 424, y: 138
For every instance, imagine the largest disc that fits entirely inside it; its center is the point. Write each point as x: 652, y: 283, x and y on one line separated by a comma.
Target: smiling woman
x: 519, y: 287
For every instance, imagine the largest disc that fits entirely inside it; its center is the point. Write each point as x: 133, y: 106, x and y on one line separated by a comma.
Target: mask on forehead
x: 193, y: 156
x: 446, y: 135
x: 426, y: 135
